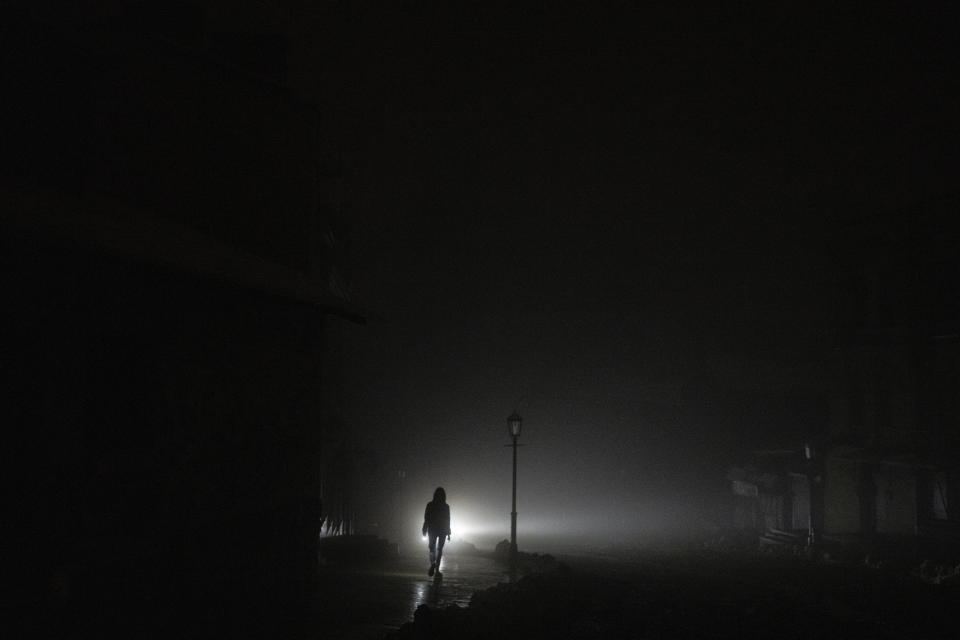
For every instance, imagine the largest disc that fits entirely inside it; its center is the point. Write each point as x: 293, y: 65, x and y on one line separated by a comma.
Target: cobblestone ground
x: 700, y: 595
x: 371, y: 602
x: 657, y: 595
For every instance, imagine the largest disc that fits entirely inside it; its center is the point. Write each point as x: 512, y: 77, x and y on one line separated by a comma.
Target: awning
x: 124, y: 231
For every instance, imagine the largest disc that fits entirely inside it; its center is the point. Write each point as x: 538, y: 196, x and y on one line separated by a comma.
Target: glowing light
x: 470, y: 527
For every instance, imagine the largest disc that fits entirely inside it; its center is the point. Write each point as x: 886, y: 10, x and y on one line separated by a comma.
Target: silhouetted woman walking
x: 436, y: 525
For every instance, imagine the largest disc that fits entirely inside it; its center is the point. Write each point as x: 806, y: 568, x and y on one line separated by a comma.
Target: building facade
x: 175, y: 274
x: 895, y: 427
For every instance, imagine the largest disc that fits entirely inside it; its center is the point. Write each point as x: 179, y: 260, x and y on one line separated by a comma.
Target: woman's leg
x: 440, y: 544
x: 432, y: 545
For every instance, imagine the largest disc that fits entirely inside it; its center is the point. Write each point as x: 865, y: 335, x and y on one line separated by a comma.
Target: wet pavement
x: 702, y: 595
x: 671, y: 595
x: 369, y: 602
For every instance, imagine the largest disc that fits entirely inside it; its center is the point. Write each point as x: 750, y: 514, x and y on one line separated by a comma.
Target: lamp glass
x: 515, y: 423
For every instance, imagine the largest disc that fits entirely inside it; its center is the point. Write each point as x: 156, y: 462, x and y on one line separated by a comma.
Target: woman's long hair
x: 439, y: 496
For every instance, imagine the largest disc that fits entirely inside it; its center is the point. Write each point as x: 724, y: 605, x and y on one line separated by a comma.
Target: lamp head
x: 514, y: 424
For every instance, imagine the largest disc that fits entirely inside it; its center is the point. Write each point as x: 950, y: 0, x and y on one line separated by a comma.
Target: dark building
x: 778, y: 494
x: 174, y: 278
x: 892, y: 465
x: 884, y: 458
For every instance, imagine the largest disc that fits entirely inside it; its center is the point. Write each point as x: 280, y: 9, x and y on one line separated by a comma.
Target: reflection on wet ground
x: 461, y: 577
x: 369, y: 602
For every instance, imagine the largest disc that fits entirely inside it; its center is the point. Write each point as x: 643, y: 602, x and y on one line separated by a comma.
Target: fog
x: 626, y: 225
x: 597, y: 481
x: 272, y: 273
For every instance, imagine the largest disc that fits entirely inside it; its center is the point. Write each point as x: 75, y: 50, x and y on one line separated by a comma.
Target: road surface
x: 369, y: 602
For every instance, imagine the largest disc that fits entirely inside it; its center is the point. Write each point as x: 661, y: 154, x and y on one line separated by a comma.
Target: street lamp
x: 514, y: 424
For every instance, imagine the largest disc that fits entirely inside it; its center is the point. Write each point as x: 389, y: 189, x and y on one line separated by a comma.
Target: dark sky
x: 614, y: 218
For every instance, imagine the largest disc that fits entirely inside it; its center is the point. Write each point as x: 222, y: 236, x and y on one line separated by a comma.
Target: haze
x: 626, y: 224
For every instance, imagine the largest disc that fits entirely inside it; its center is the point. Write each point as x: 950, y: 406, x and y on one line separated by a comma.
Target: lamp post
x: 809, y: 453
x: 514, y: 424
